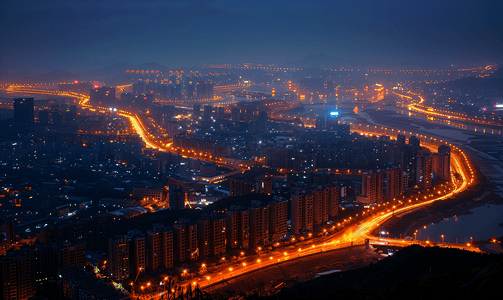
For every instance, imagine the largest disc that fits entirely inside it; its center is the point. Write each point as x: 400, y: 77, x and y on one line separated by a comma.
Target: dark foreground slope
x: 412, y: 273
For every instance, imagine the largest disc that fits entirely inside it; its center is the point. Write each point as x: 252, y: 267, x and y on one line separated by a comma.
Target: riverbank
x: 406, y: 224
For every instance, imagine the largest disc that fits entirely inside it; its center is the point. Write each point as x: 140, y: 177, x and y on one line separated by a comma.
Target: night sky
x: 86, y: 35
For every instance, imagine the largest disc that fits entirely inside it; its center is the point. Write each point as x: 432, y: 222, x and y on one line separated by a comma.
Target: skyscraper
x: 23, y: 111
x: 238, y: 228
x: 302, y: 210
x: 333, y: 199
x: 372, y: 187
x: 394, y: 183
x: 259, y: 224
x: 278, y: 219
x: 424, y: 169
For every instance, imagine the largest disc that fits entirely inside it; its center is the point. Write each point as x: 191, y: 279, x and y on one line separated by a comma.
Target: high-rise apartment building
x: 334, y: 194
x: 325, y: 203
x: 259, y: 224
x: 185, y: 242
x: 410, y: 153
x: 394, y: 183
x: 137, y: 253
x: 221, y: 112
x: 73, y: 255
x: 204, y: 90
x: 441, y: 164
x: 211, y: 236
x: 236, y: 114
x: 372, y: 187
x: 424, y: 171
x: 118, y: 251
x: 400, y: 138
x: 320, y: 206
x: 17, y: 275
x: 160, y: 247
x: 237, y: 228
x: 302, y: 210
x: 414, y: 141
x: 278, y: 219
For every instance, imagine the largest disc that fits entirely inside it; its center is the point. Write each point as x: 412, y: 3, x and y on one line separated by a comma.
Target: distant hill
x: 55, y: 75
x: 497, y: 74
x: 493, y: 82
x: 316, y: 61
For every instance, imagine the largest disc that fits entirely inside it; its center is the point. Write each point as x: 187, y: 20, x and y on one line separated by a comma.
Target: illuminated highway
x: 418, y: 107
x: 136, y: 121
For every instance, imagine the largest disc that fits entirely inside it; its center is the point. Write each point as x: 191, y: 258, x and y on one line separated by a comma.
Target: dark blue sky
x: 79, y: 35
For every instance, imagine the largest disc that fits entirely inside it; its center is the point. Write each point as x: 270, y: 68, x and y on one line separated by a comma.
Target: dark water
x: 483, y: 223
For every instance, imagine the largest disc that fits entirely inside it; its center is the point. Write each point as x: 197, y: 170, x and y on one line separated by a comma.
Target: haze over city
x: 250, y: 150
x: 91, y: 35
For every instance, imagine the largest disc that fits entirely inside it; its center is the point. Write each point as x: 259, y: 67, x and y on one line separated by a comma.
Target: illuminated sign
x: 498, y: 105
x: 334, y: 113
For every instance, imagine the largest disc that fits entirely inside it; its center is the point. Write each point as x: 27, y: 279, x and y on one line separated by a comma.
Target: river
x: 484, y: 222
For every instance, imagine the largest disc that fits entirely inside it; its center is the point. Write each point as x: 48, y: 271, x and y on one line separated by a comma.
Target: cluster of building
x: 26, y: 267
x: 146, y: 92
x: 177, y: 86
x: 238, y: 228
x: 239, y: 136
x: 188, y: 240
x: 420, y: 172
